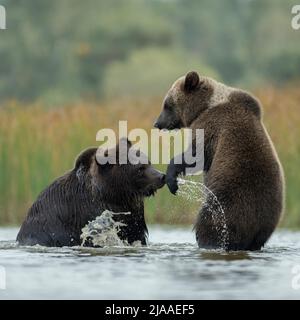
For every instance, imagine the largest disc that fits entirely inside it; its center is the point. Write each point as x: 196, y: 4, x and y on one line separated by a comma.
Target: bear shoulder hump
x: 248, y: 101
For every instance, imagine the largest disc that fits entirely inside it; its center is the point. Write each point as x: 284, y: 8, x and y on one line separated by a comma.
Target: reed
x: 38, y: 144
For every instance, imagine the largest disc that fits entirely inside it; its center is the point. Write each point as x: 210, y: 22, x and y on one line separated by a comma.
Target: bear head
x: 192, y: 94
x: 115, y: 181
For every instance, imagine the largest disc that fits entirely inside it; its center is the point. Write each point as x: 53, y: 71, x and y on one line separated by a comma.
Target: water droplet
x: 197, y: 191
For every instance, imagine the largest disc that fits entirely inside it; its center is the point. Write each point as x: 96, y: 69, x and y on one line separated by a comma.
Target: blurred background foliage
x: 70, y: 67
x: 63, y: 50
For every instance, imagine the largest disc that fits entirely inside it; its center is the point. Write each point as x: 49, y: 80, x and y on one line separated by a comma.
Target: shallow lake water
x: 171, y: 267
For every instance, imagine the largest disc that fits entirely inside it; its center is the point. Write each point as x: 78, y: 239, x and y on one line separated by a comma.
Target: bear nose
x: 163, y: 178
x: 156, y: 125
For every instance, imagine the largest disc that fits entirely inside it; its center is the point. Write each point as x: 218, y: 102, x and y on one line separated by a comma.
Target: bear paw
x: 172, y: 184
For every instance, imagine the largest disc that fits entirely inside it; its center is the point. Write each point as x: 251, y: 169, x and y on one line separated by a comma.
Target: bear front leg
x: 173, y: 171
x: 189, y: 162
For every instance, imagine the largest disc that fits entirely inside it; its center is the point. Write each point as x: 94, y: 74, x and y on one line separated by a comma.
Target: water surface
x: 171, y: 267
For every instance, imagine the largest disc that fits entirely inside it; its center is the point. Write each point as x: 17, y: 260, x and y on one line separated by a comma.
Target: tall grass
x: 39, y: 144
x: 282, y: 119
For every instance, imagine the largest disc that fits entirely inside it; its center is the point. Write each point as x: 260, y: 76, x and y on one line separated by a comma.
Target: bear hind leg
x: 260, y: 239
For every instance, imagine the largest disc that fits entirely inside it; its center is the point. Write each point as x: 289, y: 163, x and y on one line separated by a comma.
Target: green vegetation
x: 70, y: 67
x: 61, y: 51
x: 37, y: 145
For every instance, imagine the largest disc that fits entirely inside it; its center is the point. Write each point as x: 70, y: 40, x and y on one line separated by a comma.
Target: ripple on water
x: 172, y: 266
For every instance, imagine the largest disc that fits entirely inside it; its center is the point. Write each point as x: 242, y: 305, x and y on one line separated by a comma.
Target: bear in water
x: 61, y: 211
x: 241, y: 166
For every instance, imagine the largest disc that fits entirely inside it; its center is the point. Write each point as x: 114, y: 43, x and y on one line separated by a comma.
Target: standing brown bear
x: 241, y: 166
x: 70, y: 202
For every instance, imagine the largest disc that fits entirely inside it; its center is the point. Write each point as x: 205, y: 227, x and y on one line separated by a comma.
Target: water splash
x: 103, y: 231
x: 198, y: 192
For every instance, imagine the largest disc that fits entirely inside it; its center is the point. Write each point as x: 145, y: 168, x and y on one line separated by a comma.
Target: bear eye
x: 141, y: 170
x: 168, y: 107
x: 168, y: 104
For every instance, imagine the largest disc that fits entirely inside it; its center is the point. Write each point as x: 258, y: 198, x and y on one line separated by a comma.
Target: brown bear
x: 61, y: 211
x: 241, y: 166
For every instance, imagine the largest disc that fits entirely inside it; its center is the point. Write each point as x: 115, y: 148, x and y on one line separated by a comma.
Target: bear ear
x: 191, y: 81
x: 122, y: 150
x: 103, y: 159
x: 85, y: 158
